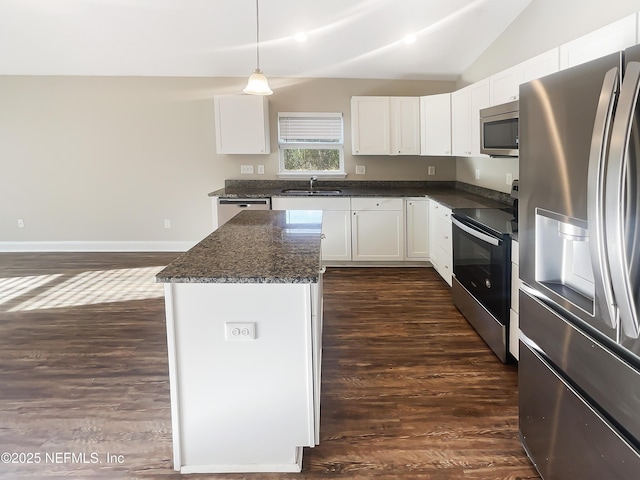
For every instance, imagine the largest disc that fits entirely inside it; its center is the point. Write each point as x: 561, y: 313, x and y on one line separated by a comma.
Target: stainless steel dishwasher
x: 230, y: 207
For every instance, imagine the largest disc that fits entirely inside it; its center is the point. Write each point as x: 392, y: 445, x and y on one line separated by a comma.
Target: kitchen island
x: 244, y: 336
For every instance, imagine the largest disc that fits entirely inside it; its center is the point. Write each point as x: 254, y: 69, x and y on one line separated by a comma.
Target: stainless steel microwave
x: 499, y: 130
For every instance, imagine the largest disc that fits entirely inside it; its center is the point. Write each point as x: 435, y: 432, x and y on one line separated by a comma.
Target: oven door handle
x: 496, y: 242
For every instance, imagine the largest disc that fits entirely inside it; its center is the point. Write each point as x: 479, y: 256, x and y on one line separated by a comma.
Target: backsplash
x: 484, y: 192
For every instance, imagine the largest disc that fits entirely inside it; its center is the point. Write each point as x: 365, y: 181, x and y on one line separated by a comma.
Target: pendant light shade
x: 258, y: 84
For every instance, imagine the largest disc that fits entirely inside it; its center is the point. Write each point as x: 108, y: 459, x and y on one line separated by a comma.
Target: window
x: 311, y: 143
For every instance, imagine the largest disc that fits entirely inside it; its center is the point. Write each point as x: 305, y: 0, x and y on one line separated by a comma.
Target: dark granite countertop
x: 261, y: 246
x: 449, y: 194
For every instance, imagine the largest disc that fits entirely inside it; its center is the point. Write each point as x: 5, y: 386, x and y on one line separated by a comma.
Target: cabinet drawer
x: 444, y: 237
x: 437, y: 211
x: 376, y: 203
x: 444, y: 264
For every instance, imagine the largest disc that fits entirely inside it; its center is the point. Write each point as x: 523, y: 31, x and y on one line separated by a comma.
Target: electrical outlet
x: 239, y: 331
x: 360, y: 169
x: 246, y: 169
x: 477, y: 174
x: 260, y: 169
x: 431, y: 170
x: 167, y: 223
x: 509, y: 178
x: 20, y: 223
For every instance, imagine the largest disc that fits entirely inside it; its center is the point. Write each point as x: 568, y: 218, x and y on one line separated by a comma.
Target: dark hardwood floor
x: 410, y: 391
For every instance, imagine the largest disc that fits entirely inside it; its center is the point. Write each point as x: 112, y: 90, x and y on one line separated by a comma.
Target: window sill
x: 306, y: 176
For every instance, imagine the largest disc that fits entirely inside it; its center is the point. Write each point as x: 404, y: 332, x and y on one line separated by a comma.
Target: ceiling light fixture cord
x: 257, y: 36
x: 257, y: 84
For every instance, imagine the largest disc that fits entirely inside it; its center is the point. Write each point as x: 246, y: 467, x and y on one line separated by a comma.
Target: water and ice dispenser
x: 563, y: 258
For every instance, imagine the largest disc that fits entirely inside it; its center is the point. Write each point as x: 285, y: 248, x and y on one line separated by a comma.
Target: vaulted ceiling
x: 344, y: 38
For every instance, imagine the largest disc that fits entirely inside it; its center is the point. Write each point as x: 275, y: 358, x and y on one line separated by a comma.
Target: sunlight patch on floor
x: 14, y: 287
x: 96, y: 286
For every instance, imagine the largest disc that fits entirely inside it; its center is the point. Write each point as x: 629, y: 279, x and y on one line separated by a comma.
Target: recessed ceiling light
x: 300, y: 37
x: 408, y: 39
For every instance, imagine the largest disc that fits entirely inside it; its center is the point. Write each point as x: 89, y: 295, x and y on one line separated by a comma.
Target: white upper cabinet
x: 242, y: 124
x: 461, y: 122
x: 405, y: 121
x: 370, y: 126
x: 385, y: 125
x: 435, y: 124
x: 612, y: 38
x: 504, y: 86
x: 466, y: 104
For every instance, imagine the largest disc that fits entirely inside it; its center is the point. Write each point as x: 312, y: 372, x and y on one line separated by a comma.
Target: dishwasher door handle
x: 244, y: 203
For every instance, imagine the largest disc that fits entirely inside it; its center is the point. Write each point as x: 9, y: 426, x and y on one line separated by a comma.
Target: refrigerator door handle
x: 604, y: 298
x: 616, y: 201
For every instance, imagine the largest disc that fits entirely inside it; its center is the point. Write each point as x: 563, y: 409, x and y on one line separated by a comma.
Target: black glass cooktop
x: 500, y: 221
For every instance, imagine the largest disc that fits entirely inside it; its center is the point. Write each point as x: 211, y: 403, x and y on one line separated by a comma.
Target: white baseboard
x: 106, y: 246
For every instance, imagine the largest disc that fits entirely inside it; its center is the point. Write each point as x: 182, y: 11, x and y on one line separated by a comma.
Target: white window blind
x: 317, y: 128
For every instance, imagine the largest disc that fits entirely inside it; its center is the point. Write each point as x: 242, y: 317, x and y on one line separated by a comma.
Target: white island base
x: 242, y: 404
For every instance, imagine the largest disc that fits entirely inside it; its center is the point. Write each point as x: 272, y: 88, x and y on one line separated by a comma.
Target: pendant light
x: 257, y: 84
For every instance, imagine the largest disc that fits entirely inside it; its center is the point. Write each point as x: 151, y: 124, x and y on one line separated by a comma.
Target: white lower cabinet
x: 377, y: 229
x: 514, y: 316
x: 246, y: 405
x: 440, y: 240
x: 417, y: 228
x: 336, y: 222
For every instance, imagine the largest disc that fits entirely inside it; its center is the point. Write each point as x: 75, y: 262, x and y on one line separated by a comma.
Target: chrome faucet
x: 312, y: 180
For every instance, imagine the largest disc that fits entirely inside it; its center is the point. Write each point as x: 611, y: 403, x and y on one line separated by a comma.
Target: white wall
x: 543, y: 25
x: 107, y: 159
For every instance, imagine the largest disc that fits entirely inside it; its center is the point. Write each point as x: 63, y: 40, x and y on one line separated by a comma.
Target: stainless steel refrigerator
x: 579, y: 237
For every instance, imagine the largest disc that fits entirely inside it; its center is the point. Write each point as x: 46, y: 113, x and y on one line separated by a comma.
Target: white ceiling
x: 346, y: 38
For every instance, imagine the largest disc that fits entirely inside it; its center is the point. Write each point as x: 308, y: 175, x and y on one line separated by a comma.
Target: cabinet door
x: 370, y: 126
x: 466, y: 104
x: 504, y: 85
x: 479, y: 98
x: 544, y: 64
x: 461, y: 122
x: 417, y: 229
x: 609, y: 39
x: 377, y: 235
x: 405, y: 120
x: 336, y: 227
x: 242, y: 124
x: 435, y: 124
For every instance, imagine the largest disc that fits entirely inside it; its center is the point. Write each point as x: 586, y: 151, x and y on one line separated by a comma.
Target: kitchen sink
x: 315, y: 191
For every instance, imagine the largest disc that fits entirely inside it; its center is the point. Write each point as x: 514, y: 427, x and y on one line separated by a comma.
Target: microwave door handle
x: 476, y: 233
x: 604, y: 298
x: 619, y: 168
